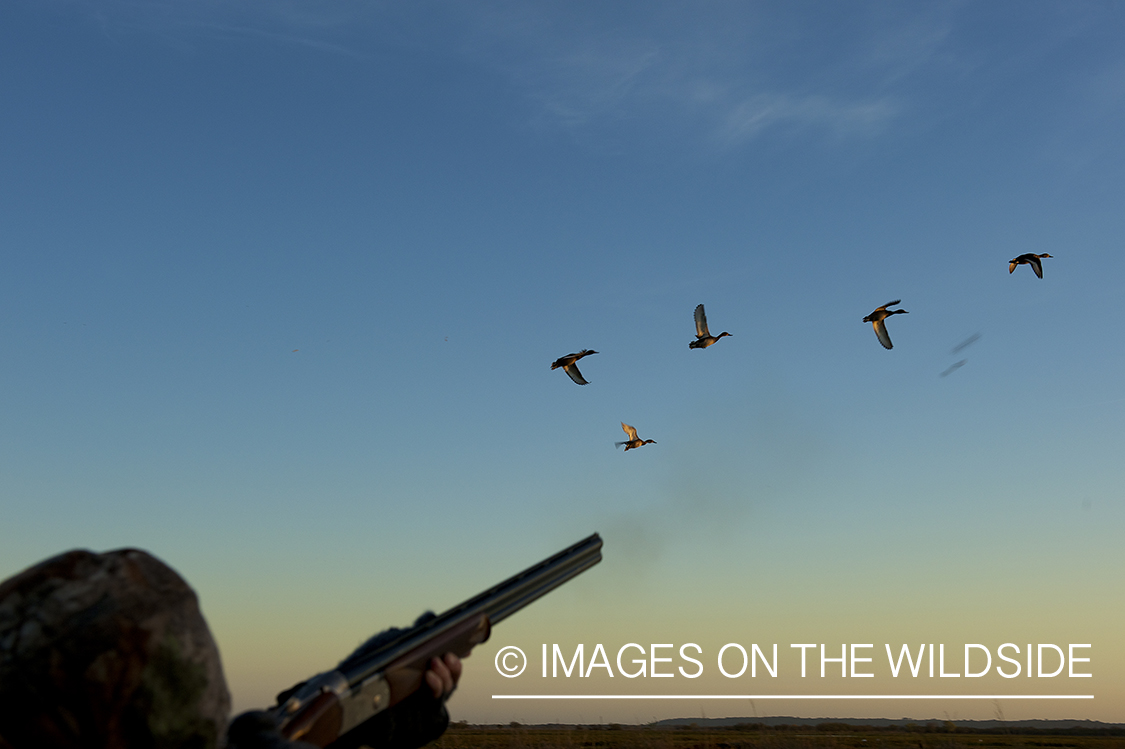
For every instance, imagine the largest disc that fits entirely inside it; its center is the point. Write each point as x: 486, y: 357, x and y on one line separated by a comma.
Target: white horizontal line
x: 792, y: 696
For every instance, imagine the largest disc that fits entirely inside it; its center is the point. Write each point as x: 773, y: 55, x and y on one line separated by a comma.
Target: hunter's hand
x: 443, y: 675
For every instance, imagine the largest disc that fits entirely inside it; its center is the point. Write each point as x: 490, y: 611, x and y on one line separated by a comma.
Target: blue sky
x: 282, y: 283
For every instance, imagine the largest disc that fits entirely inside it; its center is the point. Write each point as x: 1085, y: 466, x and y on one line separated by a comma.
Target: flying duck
x: 877, y: 317
x: 1028, y: 259
x: 703, y: 337
x: 634, y: 440
x: 569, y: 365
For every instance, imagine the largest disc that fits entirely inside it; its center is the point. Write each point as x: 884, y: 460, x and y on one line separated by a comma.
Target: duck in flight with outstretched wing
x: 877, y: 320
x: 634, y: 440
x: 570, y: 366
x: 703, y: 337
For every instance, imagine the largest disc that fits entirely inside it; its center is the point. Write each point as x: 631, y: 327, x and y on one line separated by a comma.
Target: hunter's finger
x: 454, y: 664
x: 434, y: 681
x: 438, y: 667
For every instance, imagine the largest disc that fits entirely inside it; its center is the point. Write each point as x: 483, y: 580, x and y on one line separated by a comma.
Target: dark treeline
x: 928, y: 727
x: 829, y: 727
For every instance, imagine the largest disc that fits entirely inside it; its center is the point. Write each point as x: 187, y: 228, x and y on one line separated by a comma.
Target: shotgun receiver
x: 382, y: 674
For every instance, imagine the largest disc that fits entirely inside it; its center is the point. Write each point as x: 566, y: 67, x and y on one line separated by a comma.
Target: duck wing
x: 572, y: 370
x: 1012, y: 265
x: 1036, y: 265
x: 881, y: 332
x: 701, y: 323
x: 631, y: 431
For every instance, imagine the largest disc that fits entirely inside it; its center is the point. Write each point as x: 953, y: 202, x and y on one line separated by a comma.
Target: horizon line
x: 792, y: 696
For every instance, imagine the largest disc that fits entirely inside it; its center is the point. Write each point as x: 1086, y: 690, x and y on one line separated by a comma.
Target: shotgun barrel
x: 382, y: 673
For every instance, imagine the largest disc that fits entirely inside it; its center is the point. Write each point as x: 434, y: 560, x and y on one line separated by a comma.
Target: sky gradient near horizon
x: 282, y: 282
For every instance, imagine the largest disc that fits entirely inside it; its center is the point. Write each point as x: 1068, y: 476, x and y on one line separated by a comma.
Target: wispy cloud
x: 721, y: 74
x: 839, y: 116
x: 637, y: 80
x: 586, y: 84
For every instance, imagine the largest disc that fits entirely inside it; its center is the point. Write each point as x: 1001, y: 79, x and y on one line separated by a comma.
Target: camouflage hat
x: 107, y: 651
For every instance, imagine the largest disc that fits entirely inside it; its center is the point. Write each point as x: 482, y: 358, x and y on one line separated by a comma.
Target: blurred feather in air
x: 966, y: 343
x: 954, y: 367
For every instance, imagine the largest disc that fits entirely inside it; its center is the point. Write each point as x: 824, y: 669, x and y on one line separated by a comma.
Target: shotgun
x: 382, y: 673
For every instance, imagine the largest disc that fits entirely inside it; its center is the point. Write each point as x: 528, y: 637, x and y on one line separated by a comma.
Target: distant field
x: 824, y: 736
